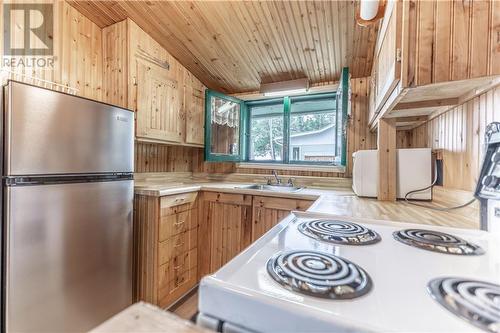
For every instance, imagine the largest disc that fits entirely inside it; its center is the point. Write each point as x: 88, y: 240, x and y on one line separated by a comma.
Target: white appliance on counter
x: 325, y: 273
x: 414, y: 171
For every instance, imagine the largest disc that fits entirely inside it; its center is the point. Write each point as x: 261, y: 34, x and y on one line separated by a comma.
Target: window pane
x: 266, y: 132
x: 225, y: 126
x: 313, y: 130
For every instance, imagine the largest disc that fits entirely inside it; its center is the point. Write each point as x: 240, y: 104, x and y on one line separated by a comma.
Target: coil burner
x: 339, y: 232
x: 477, y: 302
x: 319, y: 274
x: 437, y: 241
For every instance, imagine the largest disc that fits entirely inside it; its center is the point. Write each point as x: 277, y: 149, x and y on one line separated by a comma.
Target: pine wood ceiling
x: 233, y: 46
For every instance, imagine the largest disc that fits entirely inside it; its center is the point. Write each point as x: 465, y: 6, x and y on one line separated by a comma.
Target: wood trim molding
x: 387, y: 159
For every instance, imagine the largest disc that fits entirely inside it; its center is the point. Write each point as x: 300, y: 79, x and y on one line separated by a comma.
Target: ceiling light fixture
x: 369, y: 11
x: 284, y: 88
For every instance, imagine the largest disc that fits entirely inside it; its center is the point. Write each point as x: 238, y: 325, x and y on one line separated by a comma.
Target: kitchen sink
x: 276, y: 188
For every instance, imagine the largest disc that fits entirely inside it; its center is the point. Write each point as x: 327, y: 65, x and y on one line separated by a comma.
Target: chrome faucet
x: 275, y: 174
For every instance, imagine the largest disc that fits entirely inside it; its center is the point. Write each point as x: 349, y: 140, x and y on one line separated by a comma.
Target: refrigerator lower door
x: 68, y: 255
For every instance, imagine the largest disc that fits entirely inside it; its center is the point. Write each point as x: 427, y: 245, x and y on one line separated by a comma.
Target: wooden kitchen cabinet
x: 166, y: 243
x: 269, y: 211
x: 194, y: 109
x: 159, y: 115
x: 225, y: 229
x: 427, y: 58
x: 139, y: 74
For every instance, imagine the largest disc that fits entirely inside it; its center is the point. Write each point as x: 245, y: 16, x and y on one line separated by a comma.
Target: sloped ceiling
x: 233, y: 46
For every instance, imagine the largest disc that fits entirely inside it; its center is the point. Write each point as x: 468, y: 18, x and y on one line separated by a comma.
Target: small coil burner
x: 477, y: 302
x: 319, y: 274
x: 437, y: 241
x: 339, y: 232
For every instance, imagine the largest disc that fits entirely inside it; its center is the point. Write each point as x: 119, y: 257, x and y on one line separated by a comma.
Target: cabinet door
x: 387, y: 65
x: 194, y: 109
x: 230, y: 225
x: 159, y: 115
x: 225, y: 229
x: 269, y: 211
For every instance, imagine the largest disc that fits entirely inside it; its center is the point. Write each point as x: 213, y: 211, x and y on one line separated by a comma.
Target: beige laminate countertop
x: 143, y: 317
x: 342, y: 201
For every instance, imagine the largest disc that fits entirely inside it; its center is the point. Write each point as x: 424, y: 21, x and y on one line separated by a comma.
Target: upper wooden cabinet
x: 159, y: 115
x: 433, y: 55
x: 141, y: 75
x: 193, y: 107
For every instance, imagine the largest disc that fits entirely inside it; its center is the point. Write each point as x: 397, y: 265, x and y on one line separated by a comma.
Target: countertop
x: 143, y: 317
x: 342, y: 201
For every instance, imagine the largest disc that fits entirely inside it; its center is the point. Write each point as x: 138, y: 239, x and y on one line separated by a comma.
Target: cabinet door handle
x: 179, y: 244
x: 179, y: 223
x: 177, y: 267
x: 180, y: 199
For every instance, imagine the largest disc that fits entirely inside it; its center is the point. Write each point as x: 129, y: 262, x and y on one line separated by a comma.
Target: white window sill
x: 298, y: 167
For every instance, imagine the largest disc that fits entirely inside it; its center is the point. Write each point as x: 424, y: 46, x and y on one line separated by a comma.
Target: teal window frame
x: 213, y: 157
x: 341, y: 98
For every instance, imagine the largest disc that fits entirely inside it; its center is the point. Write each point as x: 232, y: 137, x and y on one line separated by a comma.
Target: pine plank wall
x: 164, y: 158
x: 78, y: 53
x: 459, y: 133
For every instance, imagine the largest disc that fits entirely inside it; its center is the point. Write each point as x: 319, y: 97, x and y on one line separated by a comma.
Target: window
x: 313, y: 129
x: 309, y: 129
x: 266, y: 130
x: 300, y: 129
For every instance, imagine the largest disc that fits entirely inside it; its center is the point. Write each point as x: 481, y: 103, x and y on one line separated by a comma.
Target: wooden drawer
x: 171, y: 225
x: 176, y: 277
x: 228, y: 198
x: 177, y: 245
x: 173, y: 204
x: 281, y: 203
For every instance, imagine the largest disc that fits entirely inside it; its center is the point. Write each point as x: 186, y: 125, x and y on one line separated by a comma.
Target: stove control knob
x: 490, y: 181
x: 496, y: 158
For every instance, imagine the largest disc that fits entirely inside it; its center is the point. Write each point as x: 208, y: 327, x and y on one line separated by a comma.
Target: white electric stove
x: 321, y: 273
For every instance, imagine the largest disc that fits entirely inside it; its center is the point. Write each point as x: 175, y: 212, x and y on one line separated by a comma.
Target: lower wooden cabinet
x: 166, y: 238
x: 225, y: 229
x: 268, y: 211
x: 180, y: 238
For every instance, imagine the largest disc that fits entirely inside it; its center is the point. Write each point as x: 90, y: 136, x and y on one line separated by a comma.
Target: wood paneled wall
x: 359, y: 136
x: 155, y: 158
x: 77, y: 52
x: 457, y: 40
x: 459, y: 132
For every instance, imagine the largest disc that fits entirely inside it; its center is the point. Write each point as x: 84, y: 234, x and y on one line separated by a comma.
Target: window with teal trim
x: 308, y: 129
x: 294, y: 130
x: 265, y: 140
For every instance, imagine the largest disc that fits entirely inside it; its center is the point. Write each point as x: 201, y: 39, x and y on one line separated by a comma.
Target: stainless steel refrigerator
x: 67, y: 210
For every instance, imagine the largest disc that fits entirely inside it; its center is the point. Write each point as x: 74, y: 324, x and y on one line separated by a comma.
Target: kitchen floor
x: 467, y: 217
x: 187, y: 307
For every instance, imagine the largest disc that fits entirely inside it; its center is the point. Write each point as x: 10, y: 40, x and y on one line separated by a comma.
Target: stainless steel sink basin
x: 276, y: 188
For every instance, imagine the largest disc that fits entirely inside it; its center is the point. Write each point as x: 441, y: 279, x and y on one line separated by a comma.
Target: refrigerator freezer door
x: 49, y: 132
x: 68, y: 255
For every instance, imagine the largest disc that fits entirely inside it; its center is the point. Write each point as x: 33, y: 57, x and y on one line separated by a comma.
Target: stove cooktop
x: 338, y: 232
x: 319, y: 274
x: 477, y: 302
x: 266, y: 293
x: 437, y: 241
